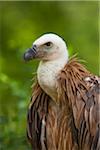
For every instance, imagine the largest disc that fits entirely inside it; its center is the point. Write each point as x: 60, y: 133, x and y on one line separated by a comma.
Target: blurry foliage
x: 20, y: 24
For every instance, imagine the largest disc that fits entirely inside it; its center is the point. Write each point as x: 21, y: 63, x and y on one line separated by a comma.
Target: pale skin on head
x: 53, y: 55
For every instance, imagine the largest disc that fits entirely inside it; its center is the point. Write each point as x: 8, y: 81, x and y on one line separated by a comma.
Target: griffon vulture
x: 64, y: 112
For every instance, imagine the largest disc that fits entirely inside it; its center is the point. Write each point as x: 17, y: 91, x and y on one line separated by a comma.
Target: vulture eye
x: 48, y: 45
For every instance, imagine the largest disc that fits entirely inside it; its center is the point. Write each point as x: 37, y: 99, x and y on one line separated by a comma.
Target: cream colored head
x: 49, y: 47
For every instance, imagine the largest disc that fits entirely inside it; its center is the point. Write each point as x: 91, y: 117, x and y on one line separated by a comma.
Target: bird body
x: 65, y: 105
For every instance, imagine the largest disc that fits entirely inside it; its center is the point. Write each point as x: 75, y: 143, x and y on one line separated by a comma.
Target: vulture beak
x: 30, y: 53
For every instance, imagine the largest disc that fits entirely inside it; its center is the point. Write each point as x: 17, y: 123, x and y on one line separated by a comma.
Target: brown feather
x: 83, y: 99
x: 73, y: 122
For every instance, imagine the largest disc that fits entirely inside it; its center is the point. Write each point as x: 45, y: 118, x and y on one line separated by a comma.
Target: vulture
x: 64, y: 111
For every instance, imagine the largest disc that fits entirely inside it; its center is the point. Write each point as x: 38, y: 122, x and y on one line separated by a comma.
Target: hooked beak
x: 30, y: 53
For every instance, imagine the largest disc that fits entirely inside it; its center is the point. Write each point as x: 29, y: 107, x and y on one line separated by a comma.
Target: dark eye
x: 48, y: 44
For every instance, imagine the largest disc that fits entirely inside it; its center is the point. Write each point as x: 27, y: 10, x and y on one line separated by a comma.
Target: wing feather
x: 82, y: 91
x: 36, y: 130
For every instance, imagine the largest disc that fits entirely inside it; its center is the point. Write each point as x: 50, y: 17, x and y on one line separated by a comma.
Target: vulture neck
x: 47, y: 75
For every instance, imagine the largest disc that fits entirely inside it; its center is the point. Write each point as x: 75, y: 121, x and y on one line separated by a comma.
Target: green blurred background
x: 20, y: 24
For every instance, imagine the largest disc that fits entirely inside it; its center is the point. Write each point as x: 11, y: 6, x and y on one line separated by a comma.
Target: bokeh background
x: 20, y: 24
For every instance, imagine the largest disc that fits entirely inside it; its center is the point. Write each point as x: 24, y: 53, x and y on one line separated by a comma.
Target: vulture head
x: 52, y: 52
x: 46, y: 48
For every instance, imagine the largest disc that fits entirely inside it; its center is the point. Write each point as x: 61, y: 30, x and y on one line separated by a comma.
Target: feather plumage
x: 73, y: 122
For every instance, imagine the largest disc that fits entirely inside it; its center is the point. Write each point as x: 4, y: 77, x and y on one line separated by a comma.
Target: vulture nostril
x: 34, y: 48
